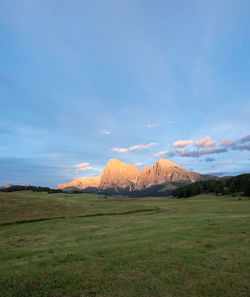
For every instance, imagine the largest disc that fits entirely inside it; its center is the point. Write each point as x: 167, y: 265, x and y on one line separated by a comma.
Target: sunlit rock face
x: 121, y: 176
x: 162, y: 172
x: 144, y: 178
x: 118, y: 175
x: 82, y: 183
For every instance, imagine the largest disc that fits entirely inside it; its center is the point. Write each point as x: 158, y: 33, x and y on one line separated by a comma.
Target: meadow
x: 65, y: 245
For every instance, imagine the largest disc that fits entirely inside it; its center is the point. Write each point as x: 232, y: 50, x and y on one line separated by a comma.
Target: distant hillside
x: 230, y: 185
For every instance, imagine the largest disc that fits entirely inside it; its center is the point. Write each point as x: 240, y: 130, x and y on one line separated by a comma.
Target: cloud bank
x: 206, y: 146
x: 194, y: 154
x: 237, y: 145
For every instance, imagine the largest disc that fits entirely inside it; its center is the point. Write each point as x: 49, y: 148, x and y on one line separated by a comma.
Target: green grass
x: 87, y: 246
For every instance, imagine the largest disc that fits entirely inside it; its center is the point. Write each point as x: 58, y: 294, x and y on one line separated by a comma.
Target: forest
x: 227, y: 185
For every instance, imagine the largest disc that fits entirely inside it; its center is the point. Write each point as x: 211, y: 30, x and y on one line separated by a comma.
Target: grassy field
x: 81, y: 245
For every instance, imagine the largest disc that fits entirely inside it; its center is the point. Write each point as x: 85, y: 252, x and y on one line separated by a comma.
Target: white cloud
x: 170, y: 122
x: 137, y: 147
x: 139, y: 164
x: 142, y: 146
x: 182, y: 143
x: 120, y: 150
x: 153, y: 125
x: 203, y: 142
x: 104, y: 131
x: 84, y: 167
x: 164, y: 153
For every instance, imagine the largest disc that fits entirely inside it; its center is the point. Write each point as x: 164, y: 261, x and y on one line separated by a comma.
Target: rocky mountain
x: 119, y: 175
x: 82, y: 183
x: 164, y: 171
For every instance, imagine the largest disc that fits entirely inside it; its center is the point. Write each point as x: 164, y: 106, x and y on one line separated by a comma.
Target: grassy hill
x: 81, y: 245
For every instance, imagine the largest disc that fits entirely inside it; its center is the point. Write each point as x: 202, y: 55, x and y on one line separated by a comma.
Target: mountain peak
x: 119, y: 175
x: 114, y: 162
x: 163, y: 171
x: 167, y: 163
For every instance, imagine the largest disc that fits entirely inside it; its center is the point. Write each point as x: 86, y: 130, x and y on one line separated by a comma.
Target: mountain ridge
x: 118, y: 177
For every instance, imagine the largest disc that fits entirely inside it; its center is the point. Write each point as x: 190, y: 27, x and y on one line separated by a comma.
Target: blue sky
x: 82, y: 82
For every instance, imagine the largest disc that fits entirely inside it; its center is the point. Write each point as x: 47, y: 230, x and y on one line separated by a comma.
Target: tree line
x: 30, y: 188
x: 230, y: 185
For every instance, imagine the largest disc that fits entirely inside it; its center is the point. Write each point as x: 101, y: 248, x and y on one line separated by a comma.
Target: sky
x: 82, y: 82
